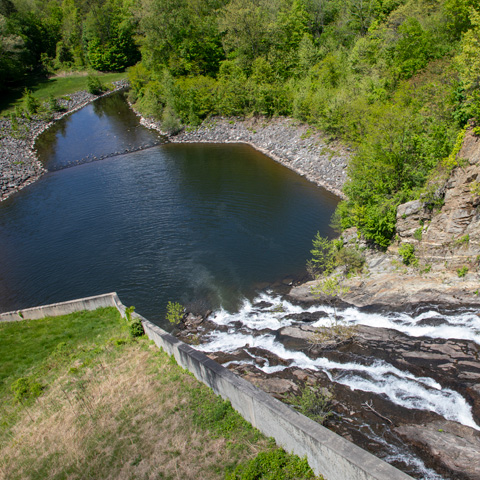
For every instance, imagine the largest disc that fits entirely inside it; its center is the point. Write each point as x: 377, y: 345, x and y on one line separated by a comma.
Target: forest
x: 396, y: 80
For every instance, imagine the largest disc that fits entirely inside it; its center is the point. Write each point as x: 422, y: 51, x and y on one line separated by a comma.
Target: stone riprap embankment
x: 299, y: 147
x: 19, y: 165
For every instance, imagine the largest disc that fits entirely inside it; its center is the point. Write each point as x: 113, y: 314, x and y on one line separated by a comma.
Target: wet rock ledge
x: 19, y: 165
x: 297, y: 146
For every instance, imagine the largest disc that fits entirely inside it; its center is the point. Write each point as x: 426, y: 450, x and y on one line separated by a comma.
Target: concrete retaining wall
x: 327, y: 453
x: 64, y: 308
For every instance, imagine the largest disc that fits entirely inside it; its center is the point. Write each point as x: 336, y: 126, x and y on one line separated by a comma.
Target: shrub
x: 53, y: 104
x: 30, y: 102
x: 314, y: 403
x: 273, y: 464
x: 462, y: 271
x: 175, y: 312
x: 136, y: 329
x: 407, y: 252
x: 25, y: 388
x: 94, y: 85
x: 417, y: 234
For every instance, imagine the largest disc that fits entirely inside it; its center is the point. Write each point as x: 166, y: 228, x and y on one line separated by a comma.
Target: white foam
x: 379, y: 377
x: 461, y: 325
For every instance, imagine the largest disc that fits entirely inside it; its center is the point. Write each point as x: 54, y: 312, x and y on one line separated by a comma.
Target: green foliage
x: 314, y: 403
x: 417, y: 234
x: 464, y: 240
x: 53, y: 104
x: 475, y: 188
x: 25, y: 388
x: 136, y: 329
x: 128, y: 312
x: 462, y: 271
x: 175, y: 312
x: 327, y: 255
x: 273, y: 464
x: 94, y: 84
x: 407, y: 252
x: 30, y: 103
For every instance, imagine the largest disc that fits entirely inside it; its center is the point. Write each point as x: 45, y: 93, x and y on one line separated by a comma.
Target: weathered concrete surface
x: 64, y: 308
x: 449, y: 444
x: 327, y: 453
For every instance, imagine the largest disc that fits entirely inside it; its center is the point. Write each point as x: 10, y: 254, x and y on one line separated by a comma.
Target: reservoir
x: 122, y: 210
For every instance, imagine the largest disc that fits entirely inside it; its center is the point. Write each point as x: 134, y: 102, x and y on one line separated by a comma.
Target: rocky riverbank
x: 392, y: 393
x: 19, y: 165
x: 297, y: 146
x: 443, y: 248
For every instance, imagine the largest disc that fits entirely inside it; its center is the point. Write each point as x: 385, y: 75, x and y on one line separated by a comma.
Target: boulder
x: 453, y: 447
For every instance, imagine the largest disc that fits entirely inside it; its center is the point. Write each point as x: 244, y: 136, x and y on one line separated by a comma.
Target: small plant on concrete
x: 128, y: 312
x: 175, y: 312
x: 462, y: 271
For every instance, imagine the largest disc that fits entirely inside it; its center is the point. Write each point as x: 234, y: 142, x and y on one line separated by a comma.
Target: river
x: 120, y: 210
x: 221, y: 227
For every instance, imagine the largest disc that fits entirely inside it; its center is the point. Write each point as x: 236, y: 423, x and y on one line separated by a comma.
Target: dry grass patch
x: 131, y: 414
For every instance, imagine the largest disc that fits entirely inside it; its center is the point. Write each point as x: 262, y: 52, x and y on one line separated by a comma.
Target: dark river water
x: 199, y: 224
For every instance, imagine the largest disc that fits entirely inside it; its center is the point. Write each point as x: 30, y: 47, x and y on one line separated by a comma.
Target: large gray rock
x: 454, y: 447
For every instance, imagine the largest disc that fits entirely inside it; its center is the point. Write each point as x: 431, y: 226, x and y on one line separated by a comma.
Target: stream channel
x: 223, y: 227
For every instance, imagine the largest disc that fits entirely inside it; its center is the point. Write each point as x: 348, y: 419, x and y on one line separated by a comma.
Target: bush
x: 53, y: 104
x: 273, y: 465
x: 407, y: 252
x: 30, y: 102
x: 136, y: 329
x: 314, y: 403
x: 25, y: 388
x: 175, y: 312
x: 94, y: 85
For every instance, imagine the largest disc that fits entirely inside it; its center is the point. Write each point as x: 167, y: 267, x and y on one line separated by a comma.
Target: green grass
x: 31, y: 347
x: 108, y: 405
x: 57, y: 86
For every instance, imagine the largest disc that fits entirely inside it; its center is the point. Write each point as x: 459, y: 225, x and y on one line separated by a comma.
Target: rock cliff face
x: 446, y: 245
x: 448, y: 239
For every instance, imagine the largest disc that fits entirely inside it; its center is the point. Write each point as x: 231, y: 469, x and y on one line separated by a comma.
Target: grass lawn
x: 57, y: 86
x: 80, y: 398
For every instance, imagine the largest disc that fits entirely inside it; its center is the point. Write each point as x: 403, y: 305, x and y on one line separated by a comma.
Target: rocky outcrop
x: 19, y: 165
x: 454, y: 448
x: 446, y: 246
x: 297, y: 146
x: 448, y: 238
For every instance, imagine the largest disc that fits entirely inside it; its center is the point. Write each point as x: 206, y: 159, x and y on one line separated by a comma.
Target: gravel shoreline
x: 19, y: 165
x: 292, y: 144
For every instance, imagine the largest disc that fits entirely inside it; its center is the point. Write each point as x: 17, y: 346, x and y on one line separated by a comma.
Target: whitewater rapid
x: 269, y: 313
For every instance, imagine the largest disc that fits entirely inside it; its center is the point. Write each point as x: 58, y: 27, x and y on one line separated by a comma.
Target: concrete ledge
x: 328, y: 454
x: 64, y: 308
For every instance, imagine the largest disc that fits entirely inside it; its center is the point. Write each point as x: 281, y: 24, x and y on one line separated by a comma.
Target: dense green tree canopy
x: 395, y: 79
